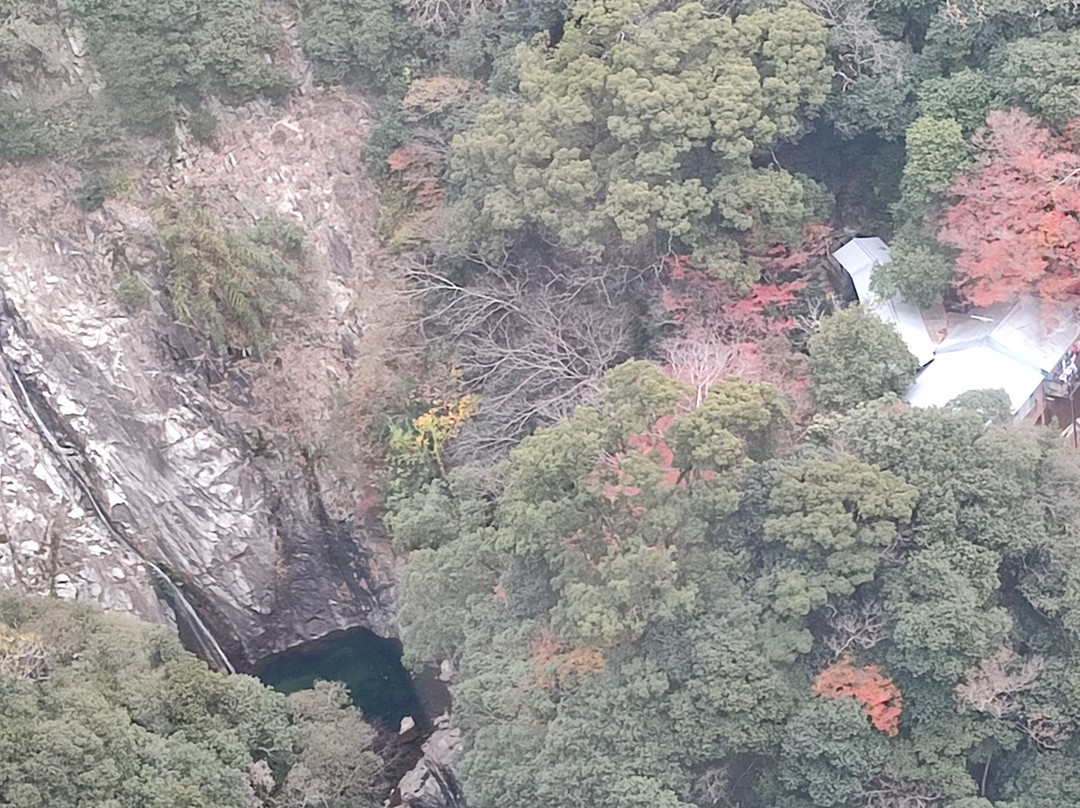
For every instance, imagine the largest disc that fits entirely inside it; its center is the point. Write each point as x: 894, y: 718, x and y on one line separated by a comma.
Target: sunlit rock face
x: 173, y: 440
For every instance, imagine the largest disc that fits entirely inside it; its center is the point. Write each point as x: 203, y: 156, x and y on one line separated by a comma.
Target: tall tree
x: 1016, y: 219
x: 855, y: 358
x: 835, y: 517
x: 641, y: 122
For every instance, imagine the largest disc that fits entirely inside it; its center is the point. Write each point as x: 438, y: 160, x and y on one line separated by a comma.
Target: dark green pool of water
x: 369, y: 665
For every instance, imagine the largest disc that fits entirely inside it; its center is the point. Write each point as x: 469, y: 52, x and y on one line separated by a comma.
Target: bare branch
x: 854, y: 625
x: 534, y: 342
x: 23, y: 656
x: 438, y: 15
x: 1045, y: 730
x: 702, y: 362
x: 713, y: 787
x: 992, y: 685
x: 889, y: 792
x: 860, y: 47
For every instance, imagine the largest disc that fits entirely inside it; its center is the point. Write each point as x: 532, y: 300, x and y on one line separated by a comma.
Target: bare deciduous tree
x: 713, y: 787
x: 992, y: 685
x: 854, y: 624
x: 860, y: 46
x: 1046, y: 730
x: 702, y: 362
x: 534, y: 342
x: 438, y: 15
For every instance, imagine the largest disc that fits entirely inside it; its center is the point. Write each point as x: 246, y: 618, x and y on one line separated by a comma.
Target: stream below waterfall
x: 370, y: 666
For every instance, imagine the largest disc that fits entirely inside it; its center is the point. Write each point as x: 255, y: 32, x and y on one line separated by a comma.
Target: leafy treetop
x: 641, y: 122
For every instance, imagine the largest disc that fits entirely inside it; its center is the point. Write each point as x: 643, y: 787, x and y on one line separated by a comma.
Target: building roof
x: 1036, y: 333
x: 859, y: 257
x: 1010, y: 346
x: 973, y: 368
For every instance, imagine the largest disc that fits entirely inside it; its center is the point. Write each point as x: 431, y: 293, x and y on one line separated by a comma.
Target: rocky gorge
x: 147, y: 470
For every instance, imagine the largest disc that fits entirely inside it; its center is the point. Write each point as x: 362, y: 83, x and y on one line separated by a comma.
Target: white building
x: 1025, y: 348
x: 859, y: 257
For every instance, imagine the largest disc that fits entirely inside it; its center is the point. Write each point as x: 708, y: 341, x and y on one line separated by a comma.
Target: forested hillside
x: 662, y: 515
x: 103, y: 710
x: 671, y: 606
x: 737, y: 575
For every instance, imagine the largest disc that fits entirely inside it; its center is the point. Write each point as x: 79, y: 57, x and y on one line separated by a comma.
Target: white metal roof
x: 908, y: 320
x: 1036, y: 333
x: 859, y: 257
x: 973, y: 368
x: 1011, y: 346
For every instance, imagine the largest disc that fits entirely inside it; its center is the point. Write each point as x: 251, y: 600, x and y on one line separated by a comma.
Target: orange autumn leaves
x: 557, y: 665
x: 880, y: 697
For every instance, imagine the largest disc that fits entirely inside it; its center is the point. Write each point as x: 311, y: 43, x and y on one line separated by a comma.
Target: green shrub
x: 68, y: 123
x: 227, y: 285
x: 120, y: 186
x: 203, y: 124
x: 366, y: 42
x: 387, y: 133
x: 91, y: 194
x: 155, y: 56
x: 283, y: 235
x: 132, y: 293
x: 917, y: 272
x: 855, y: 357
x: 23, y: 133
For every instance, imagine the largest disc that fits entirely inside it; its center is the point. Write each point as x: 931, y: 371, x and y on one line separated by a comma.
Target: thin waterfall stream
x: 68, y: 457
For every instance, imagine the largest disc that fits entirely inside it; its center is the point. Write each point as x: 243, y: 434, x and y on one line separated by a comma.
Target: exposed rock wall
x: 272, y: 545
x: 431, y: 783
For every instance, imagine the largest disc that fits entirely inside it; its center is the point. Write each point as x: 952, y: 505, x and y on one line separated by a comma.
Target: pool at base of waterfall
x: 369, y: 665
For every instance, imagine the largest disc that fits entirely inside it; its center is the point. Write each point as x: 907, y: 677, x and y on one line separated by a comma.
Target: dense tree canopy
x: 642, y: 122
x: 367, y: 41
x: 652, y: 616
x: 155, y: 56
x: 855, y: 358
x: 104, y: 710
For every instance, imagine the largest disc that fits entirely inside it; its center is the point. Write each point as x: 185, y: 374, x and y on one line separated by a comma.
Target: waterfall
x: 67, y: 456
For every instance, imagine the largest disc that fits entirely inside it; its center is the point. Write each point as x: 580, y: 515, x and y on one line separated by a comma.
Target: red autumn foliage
x: 693, y: 298
x: 418, y: 167
x: 1017, y: 219
x: 651, y: 444
x: 722, y: 333
x: 399, y: 159
x: 880, y: 697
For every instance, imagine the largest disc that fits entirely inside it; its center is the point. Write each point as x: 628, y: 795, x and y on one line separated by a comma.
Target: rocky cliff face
x: 231, y: 475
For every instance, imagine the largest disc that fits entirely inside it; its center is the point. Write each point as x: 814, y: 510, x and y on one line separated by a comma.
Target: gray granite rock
x: 157, y: 429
